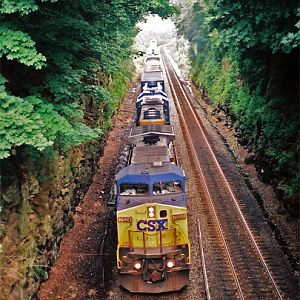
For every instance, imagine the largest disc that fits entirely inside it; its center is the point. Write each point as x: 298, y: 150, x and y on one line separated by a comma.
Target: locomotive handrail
x: 155, y: 233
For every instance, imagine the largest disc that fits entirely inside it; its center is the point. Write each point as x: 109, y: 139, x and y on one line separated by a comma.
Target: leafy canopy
x: 269, y: 25
x: 245, y: 56
x: 56, y: 55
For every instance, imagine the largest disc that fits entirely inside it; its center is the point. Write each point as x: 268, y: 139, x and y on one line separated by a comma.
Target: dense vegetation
x: 65, y: 65
x: 245, y: 57
x: 55, y: 53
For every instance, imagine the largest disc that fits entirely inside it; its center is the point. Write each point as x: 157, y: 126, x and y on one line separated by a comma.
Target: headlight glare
x: 137, y: 265
x: 170, y: 264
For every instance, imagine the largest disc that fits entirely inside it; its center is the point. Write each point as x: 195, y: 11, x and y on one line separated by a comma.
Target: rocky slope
x: 39, y: 196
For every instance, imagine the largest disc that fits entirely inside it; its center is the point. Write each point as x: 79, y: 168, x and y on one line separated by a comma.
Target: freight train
x: 153, y: 252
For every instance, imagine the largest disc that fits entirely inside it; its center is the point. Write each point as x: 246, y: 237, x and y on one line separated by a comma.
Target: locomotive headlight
x: 151, y: 212
x: 137, y: 265
x: 170, y: 264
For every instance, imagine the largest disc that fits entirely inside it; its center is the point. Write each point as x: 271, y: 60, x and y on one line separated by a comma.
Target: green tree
x: 51, y: 52
x: 245, y: 55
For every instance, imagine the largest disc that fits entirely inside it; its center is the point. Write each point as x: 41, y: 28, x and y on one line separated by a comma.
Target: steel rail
x: 181, y: 116
x: 203, y: 261
x: 199, y: 122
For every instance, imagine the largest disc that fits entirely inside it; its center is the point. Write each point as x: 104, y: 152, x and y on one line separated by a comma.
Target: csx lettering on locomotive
x: 152, y: 225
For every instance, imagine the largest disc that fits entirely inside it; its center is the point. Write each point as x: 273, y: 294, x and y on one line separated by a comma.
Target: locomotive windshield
x: 133, y: 189
x: 167, y: 187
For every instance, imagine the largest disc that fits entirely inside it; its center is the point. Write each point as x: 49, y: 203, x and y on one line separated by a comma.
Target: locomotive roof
x: 152, y: 97
x: 152, y: 93
x: 153, y: 129
x: 160, y: 129
x: 152, y: 62
x: 148, y: 100
x: 148, y: 174
x: 144, y: 153
x: 152, y: 107
x: 152, y: 76
x: 152, y: 68
x: 152, y: 57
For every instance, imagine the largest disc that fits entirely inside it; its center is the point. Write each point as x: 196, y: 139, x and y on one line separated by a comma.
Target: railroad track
x: 243, y: 264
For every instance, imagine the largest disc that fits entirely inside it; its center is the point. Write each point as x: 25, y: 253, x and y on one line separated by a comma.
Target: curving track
x: 240, y: 265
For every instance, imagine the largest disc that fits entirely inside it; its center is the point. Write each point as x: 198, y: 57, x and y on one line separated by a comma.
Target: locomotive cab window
x: 133, y: 189
x: 152, y: 84
x: 167, y: 187
x: 163, y: 213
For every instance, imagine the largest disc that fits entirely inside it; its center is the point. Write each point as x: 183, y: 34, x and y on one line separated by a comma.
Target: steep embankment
x: 245, y: 60
x: 78, y: 272
x: 64, y: 69
x: 39, y: 203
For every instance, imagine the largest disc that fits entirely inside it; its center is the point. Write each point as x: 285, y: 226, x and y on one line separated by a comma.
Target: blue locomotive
x: 152, y: 107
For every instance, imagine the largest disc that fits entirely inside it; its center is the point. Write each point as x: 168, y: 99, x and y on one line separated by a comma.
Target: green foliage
x: 15, y: 44
x: 46, y: 108
x: 65, y: 87
x: 22, y: 6
x: 292, y: 39
x: 42, y: 104
x: 248, y: 109
x: 280, y: 130
x: 246, y: 59
x: 118, y: 86
x: 100, y: 94
x: 189, y: 23
x: 270, y: 25
x: 269, y: 124
x: 161, y: 7
x: 35, y: 156
x: 76, y: 134
x: 31, y: 121
x: 219, y: 77
x: 40, y: 272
